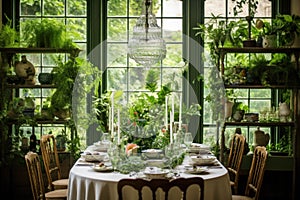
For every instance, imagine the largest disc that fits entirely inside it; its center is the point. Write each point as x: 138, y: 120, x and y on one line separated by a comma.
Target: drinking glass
x: 114, y: 156
x: 188, y: 139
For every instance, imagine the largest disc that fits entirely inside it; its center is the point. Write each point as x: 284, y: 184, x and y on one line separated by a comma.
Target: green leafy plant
x: 8, y: 35
x: 47, y: 33
x: 277, y: 70
x: 284, y: 145
x: 288, y: 28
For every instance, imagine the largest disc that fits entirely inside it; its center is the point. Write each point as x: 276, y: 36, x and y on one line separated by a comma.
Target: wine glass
x: 114, y: 156
x: 188, y: 139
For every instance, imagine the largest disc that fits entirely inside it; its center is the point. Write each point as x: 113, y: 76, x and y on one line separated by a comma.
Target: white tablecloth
x: 85, y: 183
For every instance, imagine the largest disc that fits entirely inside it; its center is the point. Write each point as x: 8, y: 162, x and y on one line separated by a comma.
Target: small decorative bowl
x: 251, y: 117
x: 152, y: 153
x: 92, y: 156
x: 45, y: 78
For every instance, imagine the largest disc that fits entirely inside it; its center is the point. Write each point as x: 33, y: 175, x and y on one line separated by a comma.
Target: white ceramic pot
x: 24, y: 68
x: 269, y: 41
x: 228, y: 109
x: 260, y: 138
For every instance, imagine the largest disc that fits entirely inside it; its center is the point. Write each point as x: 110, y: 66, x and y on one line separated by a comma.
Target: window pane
x: 117, y: 8
x: 174, y: 56
x: 215, y: 7
x: 259, y: 106
x: 116, y: 79
x: 116, y: 29
x: 76, y: 8
x: 264, y: 8
x: 77, y: 29
x: 117, y: 55
x: 263, y: 93
x: 173, y: 76
x: 172, y: 30
x: 54, y: 7
x: 172, y: 8
x: 30, y: 7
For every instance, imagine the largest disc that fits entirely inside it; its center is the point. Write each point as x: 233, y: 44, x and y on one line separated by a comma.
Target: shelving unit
x: 294, y: 124
x: 7, y: 56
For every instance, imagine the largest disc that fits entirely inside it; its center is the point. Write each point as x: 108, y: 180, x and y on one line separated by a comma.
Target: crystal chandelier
x: 146, y: 46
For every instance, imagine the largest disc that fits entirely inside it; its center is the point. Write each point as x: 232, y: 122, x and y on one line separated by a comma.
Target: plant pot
x: 62, y: 114
x: 46, y: 114
x: 25, y: 69
x: 249, y: 43
x: 61, y: 143
x: 269, y: 41
x: 45, y: 78
x: 228, y: 109
x: 238, y: 115
x: 260, y: 138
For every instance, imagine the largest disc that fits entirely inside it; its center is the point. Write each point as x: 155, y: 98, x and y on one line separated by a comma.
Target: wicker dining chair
x: 36, y: 180
x: 51, y: 163
x: 256, y: 174
x: 166, y: 185
x: 235, y: 160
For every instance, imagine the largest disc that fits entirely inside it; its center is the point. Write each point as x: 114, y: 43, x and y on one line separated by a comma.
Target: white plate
x: 156, y: 173
x: 199, y: 148
x: 203, y: 160
x: 93, y: 156
x: 102, y: 169
x: 198, y: 170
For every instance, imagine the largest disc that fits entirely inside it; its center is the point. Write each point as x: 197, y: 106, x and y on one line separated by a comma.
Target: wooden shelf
x: 38, y: 50
x: 42, y: 121
x: 258, y: 50
x: 265, y: 124
x: 245, y: 86
x: 31, y: 86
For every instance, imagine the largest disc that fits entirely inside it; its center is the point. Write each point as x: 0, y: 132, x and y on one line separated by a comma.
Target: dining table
x: 85, y: 183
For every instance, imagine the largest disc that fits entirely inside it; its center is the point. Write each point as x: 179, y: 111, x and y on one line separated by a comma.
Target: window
x: 124, y: 73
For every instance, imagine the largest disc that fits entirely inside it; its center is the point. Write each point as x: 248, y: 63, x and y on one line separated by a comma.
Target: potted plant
x: 268, y: 34
x: 61, y: 99
x: 288, y: 28
x: 284, y: 29
x: 46, y: 33
x: 8, y: 35
x: 238, y: 111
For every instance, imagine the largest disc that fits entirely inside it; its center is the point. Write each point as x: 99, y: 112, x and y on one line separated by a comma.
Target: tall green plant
x: 47, y: 33
x: 8, y: 35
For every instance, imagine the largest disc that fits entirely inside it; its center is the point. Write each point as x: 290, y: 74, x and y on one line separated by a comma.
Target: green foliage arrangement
x: 47, y: 33
x: 286, y: 27
x: 8, y: 35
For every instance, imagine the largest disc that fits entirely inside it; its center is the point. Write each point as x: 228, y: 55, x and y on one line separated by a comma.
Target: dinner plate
x: 203, y: 160
x: 152, y: 153
x: 154, y: 172
x: 102, y: 169
x: 197, y: 170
